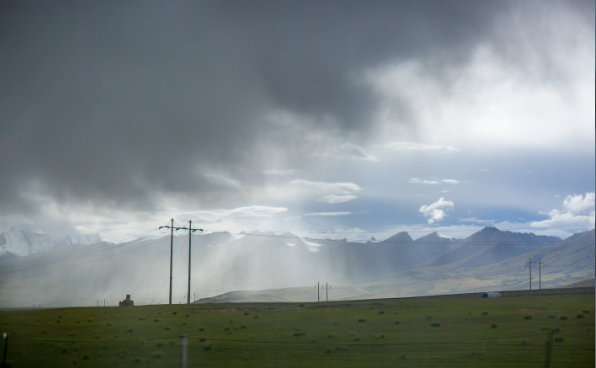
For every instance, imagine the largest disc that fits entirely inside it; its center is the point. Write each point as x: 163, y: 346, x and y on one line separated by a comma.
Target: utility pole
x: 189, y: 237
x: 190, y: 231
x: 530, y: 269
x: 171, y: 255
x: 318, y: 295
x: 183, y: 357
x: 327, y: 287
x: 549, y: 348
x: 539, y: 275
x: 5, y: 349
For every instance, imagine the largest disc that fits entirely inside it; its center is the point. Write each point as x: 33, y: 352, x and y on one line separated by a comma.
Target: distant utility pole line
x: 326, y: 287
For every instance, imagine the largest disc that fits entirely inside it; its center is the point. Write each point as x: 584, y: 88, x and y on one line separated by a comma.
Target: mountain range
x: 78, y: 274
x: 20, y: 241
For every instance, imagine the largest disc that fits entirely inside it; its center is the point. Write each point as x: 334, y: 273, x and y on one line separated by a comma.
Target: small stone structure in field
x: 126, y: 302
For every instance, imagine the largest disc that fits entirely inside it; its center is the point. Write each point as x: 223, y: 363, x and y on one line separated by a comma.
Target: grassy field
x: 506, y: 332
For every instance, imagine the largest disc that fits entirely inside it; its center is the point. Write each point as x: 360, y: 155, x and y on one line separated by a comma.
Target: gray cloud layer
x: 110, y: 103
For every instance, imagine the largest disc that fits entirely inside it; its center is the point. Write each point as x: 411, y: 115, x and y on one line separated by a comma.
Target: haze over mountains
x: 222, y: 263
x: 21, y: 241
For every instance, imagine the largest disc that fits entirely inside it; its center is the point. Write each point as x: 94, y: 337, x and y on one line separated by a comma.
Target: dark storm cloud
x: 114, y: 101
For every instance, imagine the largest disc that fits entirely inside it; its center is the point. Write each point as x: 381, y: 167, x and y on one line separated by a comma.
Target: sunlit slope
x: 565, y: 262
x: 488, y: 246
x: 296, y: 294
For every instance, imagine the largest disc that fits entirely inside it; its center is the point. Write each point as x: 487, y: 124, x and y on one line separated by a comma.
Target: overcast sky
x: 329, y: 118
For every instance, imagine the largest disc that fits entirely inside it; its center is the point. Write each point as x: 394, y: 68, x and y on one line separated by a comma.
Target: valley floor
x: 466, y: 332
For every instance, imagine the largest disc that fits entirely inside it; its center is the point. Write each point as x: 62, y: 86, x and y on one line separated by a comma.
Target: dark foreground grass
x: 460, y: 334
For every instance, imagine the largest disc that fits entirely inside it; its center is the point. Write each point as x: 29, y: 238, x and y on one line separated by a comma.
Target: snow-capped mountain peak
x: 19, y: 241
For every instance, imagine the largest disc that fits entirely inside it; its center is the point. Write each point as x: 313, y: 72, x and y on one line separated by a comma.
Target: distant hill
x: 583, y: 283
x: 402, y: 252
x: 560, y: 260
x: 490, y: 245
x: 295, y: 294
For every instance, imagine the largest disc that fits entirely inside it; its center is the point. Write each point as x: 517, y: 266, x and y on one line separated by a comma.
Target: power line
x: 79, y: 264
x: 77, y: 255
x: 355, y: 241
x: 412, y: 230
x: 176, y: 262
x: 151, y: 265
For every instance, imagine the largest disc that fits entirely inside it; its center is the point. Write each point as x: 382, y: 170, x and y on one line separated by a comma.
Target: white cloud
x: 328, y: 214
x: 418, y: 181
x: 281, y: 172
x: 445, y: 191
x: 337, y: 192
x: 349, y: 151
x: 220, y: 179
x: 434, y: 211
x: 319, y: 186
x: 412, y: 146
x: 508, y: 107
x: 476, y: 220
x: 577, y: 204
x: 578, y: 213
x: 333, y: 198
x: 250, y: 211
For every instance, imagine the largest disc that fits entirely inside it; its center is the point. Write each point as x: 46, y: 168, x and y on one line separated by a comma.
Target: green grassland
x: 466, y: 332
